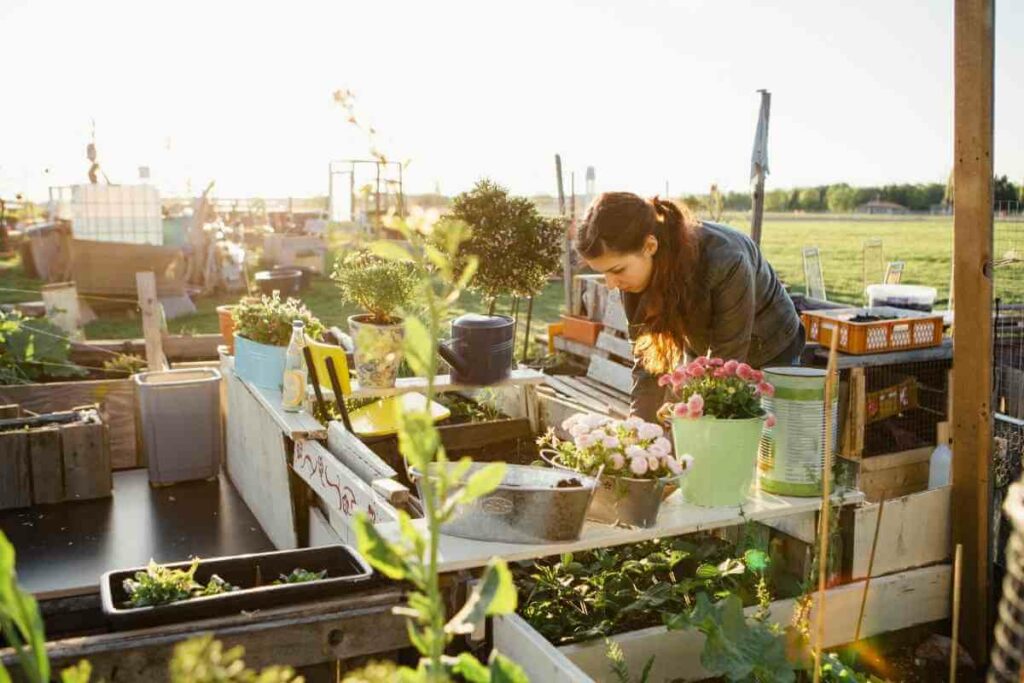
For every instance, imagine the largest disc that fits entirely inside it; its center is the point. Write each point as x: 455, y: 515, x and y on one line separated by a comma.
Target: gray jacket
x: 745, y: 312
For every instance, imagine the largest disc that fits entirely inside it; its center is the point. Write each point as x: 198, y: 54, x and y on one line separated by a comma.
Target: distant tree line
x: 842, y: 197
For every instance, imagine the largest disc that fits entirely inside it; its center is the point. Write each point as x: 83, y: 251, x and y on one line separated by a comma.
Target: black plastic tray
x: 253, y: 574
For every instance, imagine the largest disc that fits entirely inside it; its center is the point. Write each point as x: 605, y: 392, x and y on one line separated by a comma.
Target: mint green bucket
x: 724, y: 457
x: 792, y: 452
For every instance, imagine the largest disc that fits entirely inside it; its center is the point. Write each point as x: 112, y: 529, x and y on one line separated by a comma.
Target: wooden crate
x: 894, y: 474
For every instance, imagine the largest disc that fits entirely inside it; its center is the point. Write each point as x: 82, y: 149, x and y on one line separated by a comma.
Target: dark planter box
x: 253, y: 574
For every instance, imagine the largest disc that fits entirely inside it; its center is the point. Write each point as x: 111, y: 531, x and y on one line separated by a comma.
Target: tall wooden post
x: 972, y: 340
x: 759, y: 166
x: 152, y: 328
x: 567, y: 254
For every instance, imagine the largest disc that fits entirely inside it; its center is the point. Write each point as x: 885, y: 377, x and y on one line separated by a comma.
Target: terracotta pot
x: 581, y: 330
x: 227, y: 326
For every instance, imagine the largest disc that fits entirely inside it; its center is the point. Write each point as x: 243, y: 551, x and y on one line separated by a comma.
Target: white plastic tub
x: 910, y: 297
x: 177, y: 419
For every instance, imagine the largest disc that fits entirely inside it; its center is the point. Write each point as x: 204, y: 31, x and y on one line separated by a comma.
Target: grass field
x: 925, y: 246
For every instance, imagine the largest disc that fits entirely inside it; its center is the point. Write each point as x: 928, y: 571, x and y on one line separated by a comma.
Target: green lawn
x: 924, y: 245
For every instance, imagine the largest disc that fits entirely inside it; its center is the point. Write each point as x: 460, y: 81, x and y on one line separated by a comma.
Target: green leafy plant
x: 379, y: 286
x: 268, y: 319
x: 160, y: 585
x: 737, y: 647
x: 125, y: 364
x: 602, y: 592
x: 299, y: 575
x: 516, y: 247
x: 204, y: 660
x: 617, y: 663
x: 33, y: 349
x: 432, y: 254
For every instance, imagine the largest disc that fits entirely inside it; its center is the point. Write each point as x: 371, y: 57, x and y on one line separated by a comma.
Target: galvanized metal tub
x: 525, y: 508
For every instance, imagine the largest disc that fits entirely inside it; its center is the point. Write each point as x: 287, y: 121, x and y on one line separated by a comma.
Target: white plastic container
x: 940, y: 465
x: 177, y: 421
x: 909, y: 297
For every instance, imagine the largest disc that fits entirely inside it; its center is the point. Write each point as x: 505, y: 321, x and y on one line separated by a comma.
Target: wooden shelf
x: 442, y: 384
x: 844, y: 360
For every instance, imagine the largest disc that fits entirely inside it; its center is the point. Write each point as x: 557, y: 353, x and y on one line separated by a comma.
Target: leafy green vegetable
x: 617, y: 663
x: 204, y: 659
x: 33, y: 349
x: 300, y: 575
x: 160, y: 585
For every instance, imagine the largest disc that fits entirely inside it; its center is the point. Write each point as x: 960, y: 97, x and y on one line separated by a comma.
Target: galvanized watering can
x: 480, y: 350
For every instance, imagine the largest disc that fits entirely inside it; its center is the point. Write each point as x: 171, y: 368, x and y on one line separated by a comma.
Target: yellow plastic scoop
x: 380, y: 418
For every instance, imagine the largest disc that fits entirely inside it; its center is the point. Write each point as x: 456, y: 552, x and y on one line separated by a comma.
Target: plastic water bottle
x: 293, y: 392
x: 941, y: 462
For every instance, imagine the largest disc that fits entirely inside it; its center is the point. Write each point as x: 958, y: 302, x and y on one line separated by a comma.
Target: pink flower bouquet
x: 727, y: 390
x: 629, y: 448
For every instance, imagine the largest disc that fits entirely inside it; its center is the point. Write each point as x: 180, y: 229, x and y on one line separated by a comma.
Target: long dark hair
x: 620, y: 222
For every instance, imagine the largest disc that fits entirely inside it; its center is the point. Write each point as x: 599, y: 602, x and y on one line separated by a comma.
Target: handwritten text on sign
x: 338, y: 486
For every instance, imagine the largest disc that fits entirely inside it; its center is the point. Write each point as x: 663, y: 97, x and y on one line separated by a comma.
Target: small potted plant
x: 717, y: 419
x: 263, y: 328
x: 226, y: 323
x: 381, y: 288
x: 633, y: 459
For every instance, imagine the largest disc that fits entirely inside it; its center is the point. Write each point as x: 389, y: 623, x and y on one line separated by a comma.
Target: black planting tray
x: 253, y: 574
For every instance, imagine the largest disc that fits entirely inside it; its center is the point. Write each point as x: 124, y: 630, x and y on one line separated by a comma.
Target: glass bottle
x: 293, y: 392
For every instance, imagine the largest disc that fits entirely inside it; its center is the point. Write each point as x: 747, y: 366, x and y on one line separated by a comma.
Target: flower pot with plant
x: 632, y: 458
x: 263, y: 328
x: 226, y: 323
x: 381, y: 288
x: 717, y: 419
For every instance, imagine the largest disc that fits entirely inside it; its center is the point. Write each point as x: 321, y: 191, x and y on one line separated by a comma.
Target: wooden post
x: 151, y: 326
x: 972, y: 352
x: 759, y: 166
x: 61, y: 301
x: 567, y: 254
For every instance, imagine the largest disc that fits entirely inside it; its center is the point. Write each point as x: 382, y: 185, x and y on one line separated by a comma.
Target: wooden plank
x: 893, y: 603
x: 894, y: 475
x: 300, y: 635
x: 47, y: 465
x: 443, y: 383
x: 554, y: 409
x: 914, y: 532
x: 478, y: 435
x: 151, y: 321
x: 177, y: 347
x: 356, y: 455
x: 299, y: 425
x: 10, y: 411
x: 576, y: 348
x: 340, y: 488
x: 845, y: 361
x: 675, y: 519
x: 15, y: 473
x: 86, y: 461
x: 914, y: 456
x: 611, y: 373
x: 116, y: 398
x: 320, y: 531
x: 615, y: 345
x: 581, y: 397
x: 257, y: 463
x: 618, y: 403
x: 858, y: 409
x: 615, y: 313
x: 541, y: 661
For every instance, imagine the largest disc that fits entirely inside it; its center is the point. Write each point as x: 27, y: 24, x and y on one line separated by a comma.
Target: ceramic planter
x: 261, y: 365
x: 227, y: 326
x: 724, y: 454
x: 581, y: 330
x: 629, y: 501
x: 378, y: 353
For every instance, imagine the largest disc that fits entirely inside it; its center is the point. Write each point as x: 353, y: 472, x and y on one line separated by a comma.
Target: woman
x: 689, y: 288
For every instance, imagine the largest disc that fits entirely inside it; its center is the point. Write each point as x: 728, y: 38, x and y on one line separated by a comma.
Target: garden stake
x: 957, y: 567
x: 871, y: 568
x: 819, y: 618
x: 529, y: 318
x: 339, y: 399
x: 316, y: 380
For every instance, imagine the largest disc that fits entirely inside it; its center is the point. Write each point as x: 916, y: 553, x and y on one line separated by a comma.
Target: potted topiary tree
x: 263, y: 328
x: 516, y: 248
x: 382, y: 289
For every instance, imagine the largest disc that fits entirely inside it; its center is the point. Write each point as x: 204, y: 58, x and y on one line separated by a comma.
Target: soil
x: 571, y: 483
x: 870, y: 318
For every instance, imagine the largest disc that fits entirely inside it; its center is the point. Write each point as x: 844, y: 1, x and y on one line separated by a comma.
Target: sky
x: 649, y: 93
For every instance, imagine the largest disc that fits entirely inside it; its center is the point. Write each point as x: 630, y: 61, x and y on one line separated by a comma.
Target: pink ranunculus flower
x: 696, y: 369
x: 716, y: 362
x: 653, y: 462
x: 663, y: 443
x: 696, y: 405
x: 610, y: 442
x: 678, y: 377
x: 664, y: 380
x: 673, y: 466
x: 703, y: 361
x: 638, y: 466
x: 769, y: 421
x: 633, y: 422
x: 657, y: 450
x: 649, y: 431
x: 745, y: 372
x: 617, y: 461
x: 766, y: 389
x: 681, y: 410
x: 720, y: 373
x: 730, y: 366
x: 585, y: 440
x: 578, y: 430
x: 757, y: 376
x: 570, y: 422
